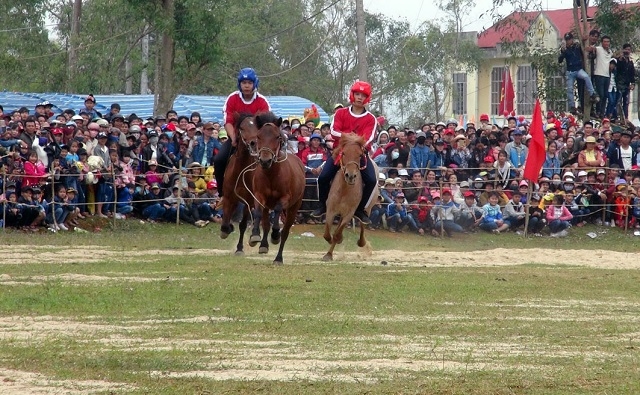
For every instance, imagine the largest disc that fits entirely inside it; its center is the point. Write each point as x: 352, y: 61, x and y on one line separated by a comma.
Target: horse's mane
x: 239, y: 117
x: 346, y: 139
x: 266, y: 117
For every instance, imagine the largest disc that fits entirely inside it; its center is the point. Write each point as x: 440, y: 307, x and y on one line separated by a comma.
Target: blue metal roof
x: 209, y: 107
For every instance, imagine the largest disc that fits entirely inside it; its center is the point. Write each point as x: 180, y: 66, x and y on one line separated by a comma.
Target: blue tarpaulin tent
x: 209, y: 107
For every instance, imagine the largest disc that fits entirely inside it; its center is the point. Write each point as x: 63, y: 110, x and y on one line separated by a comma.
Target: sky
x: 417, y: 11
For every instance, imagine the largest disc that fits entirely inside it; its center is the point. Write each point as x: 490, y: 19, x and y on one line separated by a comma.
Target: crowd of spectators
x: 438, y: 179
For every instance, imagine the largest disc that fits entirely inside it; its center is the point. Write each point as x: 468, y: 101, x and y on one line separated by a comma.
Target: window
x: 556, y: 95
x: 460, y: 93
x: 497, y: 74
x: 526, y: 89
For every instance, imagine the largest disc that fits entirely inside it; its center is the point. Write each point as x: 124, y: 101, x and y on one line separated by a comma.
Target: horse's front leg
x: 255, y: 229
x: 275, y: 228
x: 264, y: 244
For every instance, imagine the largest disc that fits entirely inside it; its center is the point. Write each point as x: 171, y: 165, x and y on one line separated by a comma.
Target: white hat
x: 102, y: 122
x: 77, y: 118
x: 403, y: 172
x: 381, y: 177
x: 568, y: 174
x: 582, y: 173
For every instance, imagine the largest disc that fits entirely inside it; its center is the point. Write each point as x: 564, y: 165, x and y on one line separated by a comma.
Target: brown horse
x: 238, y: 178
x: 346, y: 190
x: 278, y: 185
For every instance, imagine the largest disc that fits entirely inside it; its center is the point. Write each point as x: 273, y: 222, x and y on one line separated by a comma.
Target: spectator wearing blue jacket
x: 492, y: 220
x: 437, y: 158
x: 398, y: 217
x: 420, y: 153
x: 205, y: 146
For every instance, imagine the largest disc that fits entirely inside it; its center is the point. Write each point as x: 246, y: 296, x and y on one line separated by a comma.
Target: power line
x: 79, y: 47
x: 32, y: 27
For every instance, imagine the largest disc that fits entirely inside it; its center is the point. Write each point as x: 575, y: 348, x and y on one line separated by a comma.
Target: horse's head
x: 247, y: 132
x: 350, y: 151
x: 269, y: 139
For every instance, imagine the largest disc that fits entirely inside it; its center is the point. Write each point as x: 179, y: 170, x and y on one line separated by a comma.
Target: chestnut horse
x: 346, y: 190
x: 238, y: 178
x: 278, y: 185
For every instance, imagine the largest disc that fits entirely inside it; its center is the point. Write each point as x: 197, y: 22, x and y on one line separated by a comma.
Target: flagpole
x: 527, y: 212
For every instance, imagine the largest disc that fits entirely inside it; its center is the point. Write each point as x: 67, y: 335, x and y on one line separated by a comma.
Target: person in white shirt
x: 601, y: 74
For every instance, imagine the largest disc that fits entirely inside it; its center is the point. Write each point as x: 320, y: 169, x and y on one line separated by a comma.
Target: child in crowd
x: 470, y: 213
x: 536, y: 217
x: 420, y: 213
x: 558, y: 217
x: 398, y: 217
x: 514, y: 212
x: 492, y: 220
x: 444, y: 213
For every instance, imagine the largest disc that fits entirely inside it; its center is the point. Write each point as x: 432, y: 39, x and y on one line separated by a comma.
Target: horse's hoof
x: 239, y: 253
x: 263, y: 250
x: 254, y: 239
x: 327, y: 257
x: 275, y: 236
x: 362, y: 243
x: 278, y: 263
x: 225, y: 231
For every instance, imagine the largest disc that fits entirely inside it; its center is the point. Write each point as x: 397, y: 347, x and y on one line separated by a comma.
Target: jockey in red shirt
x: 245, y: 100
x: 353, y: 119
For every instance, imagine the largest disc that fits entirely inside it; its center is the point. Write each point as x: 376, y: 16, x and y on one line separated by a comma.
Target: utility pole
x: 362, y: 41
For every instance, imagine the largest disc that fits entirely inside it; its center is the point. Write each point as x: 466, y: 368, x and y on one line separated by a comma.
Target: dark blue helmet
x: 248, y: 74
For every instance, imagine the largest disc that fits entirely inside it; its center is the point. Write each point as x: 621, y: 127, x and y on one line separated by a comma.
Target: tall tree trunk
x: 583, y: 35
x: 128, y: 84
x: 165, y: 92
x: 436, y: 101
x: 144, y: 74
x: 74, y: 38
x: 362, y: 41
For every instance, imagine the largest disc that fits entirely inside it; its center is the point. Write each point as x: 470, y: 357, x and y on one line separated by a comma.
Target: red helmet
x: 362, y: 87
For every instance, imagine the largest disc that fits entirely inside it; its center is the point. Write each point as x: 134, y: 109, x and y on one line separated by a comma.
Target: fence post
x: 527, y: 208
x: 115, y: 194
x: 4, y: 193
x: 53, y: 199
x: 179, y: 192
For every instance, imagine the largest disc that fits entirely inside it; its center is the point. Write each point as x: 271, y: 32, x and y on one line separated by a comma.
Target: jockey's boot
x: 362, y: 216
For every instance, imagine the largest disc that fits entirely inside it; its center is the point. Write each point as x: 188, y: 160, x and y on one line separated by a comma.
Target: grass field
x: 160, y: 309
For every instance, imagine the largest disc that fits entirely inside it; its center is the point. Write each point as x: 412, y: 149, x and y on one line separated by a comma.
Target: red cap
x: 170, y: 127
x: 469, y: 194
x: 489, y: 159
x: 484, y: 117
x: 449, y: 131
x: 446, y: 190
x: 550, y: 114
x: 56, y: 131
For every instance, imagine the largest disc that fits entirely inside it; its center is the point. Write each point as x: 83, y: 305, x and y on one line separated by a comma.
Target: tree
x: 28, y: 60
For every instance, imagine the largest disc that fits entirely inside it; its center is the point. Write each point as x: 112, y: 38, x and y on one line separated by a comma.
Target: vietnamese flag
x: 507, y: 94
x: 537, y: 154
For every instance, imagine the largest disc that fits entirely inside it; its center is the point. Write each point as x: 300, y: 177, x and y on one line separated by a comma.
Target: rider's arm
x: 231, y: 132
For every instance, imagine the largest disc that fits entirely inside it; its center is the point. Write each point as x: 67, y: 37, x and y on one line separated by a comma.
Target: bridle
x: 343, y: 166
x: 274, y: 154
x: 252, y: 152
